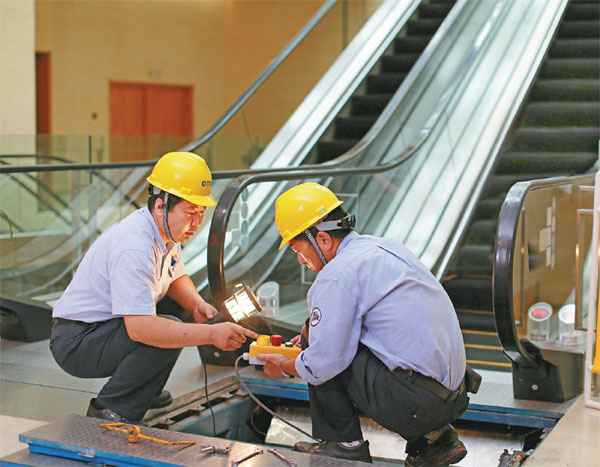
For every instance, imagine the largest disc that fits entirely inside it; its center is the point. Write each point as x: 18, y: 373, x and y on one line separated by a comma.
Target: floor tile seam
x: 47, y: 386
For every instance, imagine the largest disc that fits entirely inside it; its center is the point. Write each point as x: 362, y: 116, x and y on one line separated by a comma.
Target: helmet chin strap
x: 165, y: 222
x: 313, y: 242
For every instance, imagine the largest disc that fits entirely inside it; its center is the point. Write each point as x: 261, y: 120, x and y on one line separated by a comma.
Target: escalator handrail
x: 354, y: 153
x: 441, y: 268
x: 504, y: 256
x: 258, y: 82
x: 220, y: 219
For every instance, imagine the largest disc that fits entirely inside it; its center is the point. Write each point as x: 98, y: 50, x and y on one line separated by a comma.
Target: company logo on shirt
x: 315, y: 317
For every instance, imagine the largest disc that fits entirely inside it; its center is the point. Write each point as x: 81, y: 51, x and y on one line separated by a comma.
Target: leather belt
x: 70, y: 321
x: 429, y: 384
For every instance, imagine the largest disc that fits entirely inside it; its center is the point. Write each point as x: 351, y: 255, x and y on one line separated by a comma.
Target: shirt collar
x: 156, y: 233
x: 347, y: 239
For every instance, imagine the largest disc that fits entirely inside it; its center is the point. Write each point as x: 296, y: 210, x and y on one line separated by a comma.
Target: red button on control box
x: 276, y: 340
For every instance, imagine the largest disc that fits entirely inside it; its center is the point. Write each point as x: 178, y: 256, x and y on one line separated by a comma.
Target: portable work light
x: 243, y: 303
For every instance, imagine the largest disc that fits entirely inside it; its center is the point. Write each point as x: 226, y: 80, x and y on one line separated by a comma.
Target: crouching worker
x: 382, y: 338
x: 105, y: 323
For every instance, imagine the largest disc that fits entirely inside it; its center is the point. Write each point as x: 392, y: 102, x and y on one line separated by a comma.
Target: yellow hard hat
x: 184, y: 174
x: 300, y: 207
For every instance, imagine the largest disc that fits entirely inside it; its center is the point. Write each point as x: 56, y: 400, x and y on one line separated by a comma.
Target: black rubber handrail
x: 348, y: 157
x: 504, y: 256
x: 222, y: 213
x: 65, y: 164
x: 216, y: 239
x: 258, y: 82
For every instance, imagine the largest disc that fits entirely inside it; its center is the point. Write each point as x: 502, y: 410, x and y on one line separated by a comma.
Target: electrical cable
x: 264, y: 406
x: 208, y: 400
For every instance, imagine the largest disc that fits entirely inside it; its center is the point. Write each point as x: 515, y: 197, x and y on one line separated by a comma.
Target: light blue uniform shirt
x: 376, y: 292
x: 126, y: 271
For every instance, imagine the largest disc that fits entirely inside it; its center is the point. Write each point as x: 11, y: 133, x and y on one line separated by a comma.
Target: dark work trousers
x: 393, y: 400
x: 97, y: 350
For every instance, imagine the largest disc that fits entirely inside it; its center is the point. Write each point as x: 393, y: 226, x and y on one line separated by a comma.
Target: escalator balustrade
x: 556, y: 134
x: 382, y: 82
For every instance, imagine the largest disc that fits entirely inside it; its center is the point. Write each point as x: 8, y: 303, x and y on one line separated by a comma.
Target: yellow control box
x: 263, y: 345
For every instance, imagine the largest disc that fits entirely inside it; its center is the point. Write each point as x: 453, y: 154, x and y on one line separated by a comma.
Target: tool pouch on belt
x: 304, y: 335
x: 472, y: 380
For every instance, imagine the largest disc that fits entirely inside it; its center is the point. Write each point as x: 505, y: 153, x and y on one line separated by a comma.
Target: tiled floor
x: 575, y: 441
x: 34, y: 390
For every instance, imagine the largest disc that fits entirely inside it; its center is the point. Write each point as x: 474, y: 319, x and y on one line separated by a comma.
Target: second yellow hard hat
x: 302, y: 206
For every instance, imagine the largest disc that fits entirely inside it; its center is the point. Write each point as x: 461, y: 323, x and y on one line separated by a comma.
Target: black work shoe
x: 448, y: 449
x: 107, y: 414
x: 335, y: 449
x: 162, y: 399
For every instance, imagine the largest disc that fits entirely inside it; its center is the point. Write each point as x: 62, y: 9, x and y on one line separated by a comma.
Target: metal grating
x: 84, y: 439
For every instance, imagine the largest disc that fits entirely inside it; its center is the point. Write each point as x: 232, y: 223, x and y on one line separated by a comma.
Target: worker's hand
x: 271, y: 368
x: 295, y: 340
x: 229, y: 336
x: 203, y: 312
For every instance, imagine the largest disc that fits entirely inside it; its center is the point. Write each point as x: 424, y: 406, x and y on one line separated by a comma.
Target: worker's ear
x: 158, y: 205
x: 324, y: 240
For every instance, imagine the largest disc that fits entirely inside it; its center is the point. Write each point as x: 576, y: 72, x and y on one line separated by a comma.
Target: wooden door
x: 149, y: 119
x: 42, y: 92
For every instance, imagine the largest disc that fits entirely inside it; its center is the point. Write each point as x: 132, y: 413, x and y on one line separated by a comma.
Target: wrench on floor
x: 277, y: 454
x: 244, y: 459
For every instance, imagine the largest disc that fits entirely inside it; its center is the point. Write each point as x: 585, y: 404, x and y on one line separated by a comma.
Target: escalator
x: 557, y: 134
x: 92, y: 210
x: 368, y: 99
x: 367, y: 103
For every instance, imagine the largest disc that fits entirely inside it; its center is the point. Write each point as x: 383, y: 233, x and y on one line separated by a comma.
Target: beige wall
x: 17, y: 68
x: 219, y: 47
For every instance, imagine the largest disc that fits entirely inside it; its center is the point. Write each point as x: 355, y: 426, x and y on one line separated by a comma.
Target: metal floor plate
x: 33, y: 386
x: 83, y: 438
x: 493, y: 403
x: 24, y: 457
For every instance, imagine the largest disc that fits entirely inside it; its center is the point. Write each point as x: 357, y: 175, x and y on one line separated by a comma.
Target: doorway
x: 147, y: 120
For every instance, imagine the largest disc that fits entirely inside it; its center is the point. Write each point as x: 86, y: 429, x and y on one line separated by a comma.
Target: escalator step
x: 398, y: 63
x: 488, y: 360
x: 530, y: 162
x: 552, y: 114
x: 475, y: 260
x: 567, y: 90
x: 411, y: 44
x: 476, y: 320
x: 422, y: 26
x: 575, y: 139
x: 482, y: 232
x: 474, y: 293
x: 369, y: 104
x: 487, y: 338
x: 330, y: 149
x: 435, y: 10
x: 489, y: 208
x: 583, y: 10
x: 500, y: 184
x: 384, y: 83
x: 575, y: 48
x: 353, y: 127
x: 579, y: 29
x: 570, y: 68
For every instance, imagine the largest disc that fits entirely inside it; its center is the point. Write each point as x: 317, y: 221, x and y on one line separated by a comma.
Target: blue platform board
x: 494, y: 402
x: 76, y: 439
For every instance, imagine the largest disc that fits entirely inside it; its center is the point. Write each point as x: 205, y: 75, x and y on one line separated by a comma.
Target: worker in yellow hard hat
x: 382, y: 337
x: 106, y: 322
